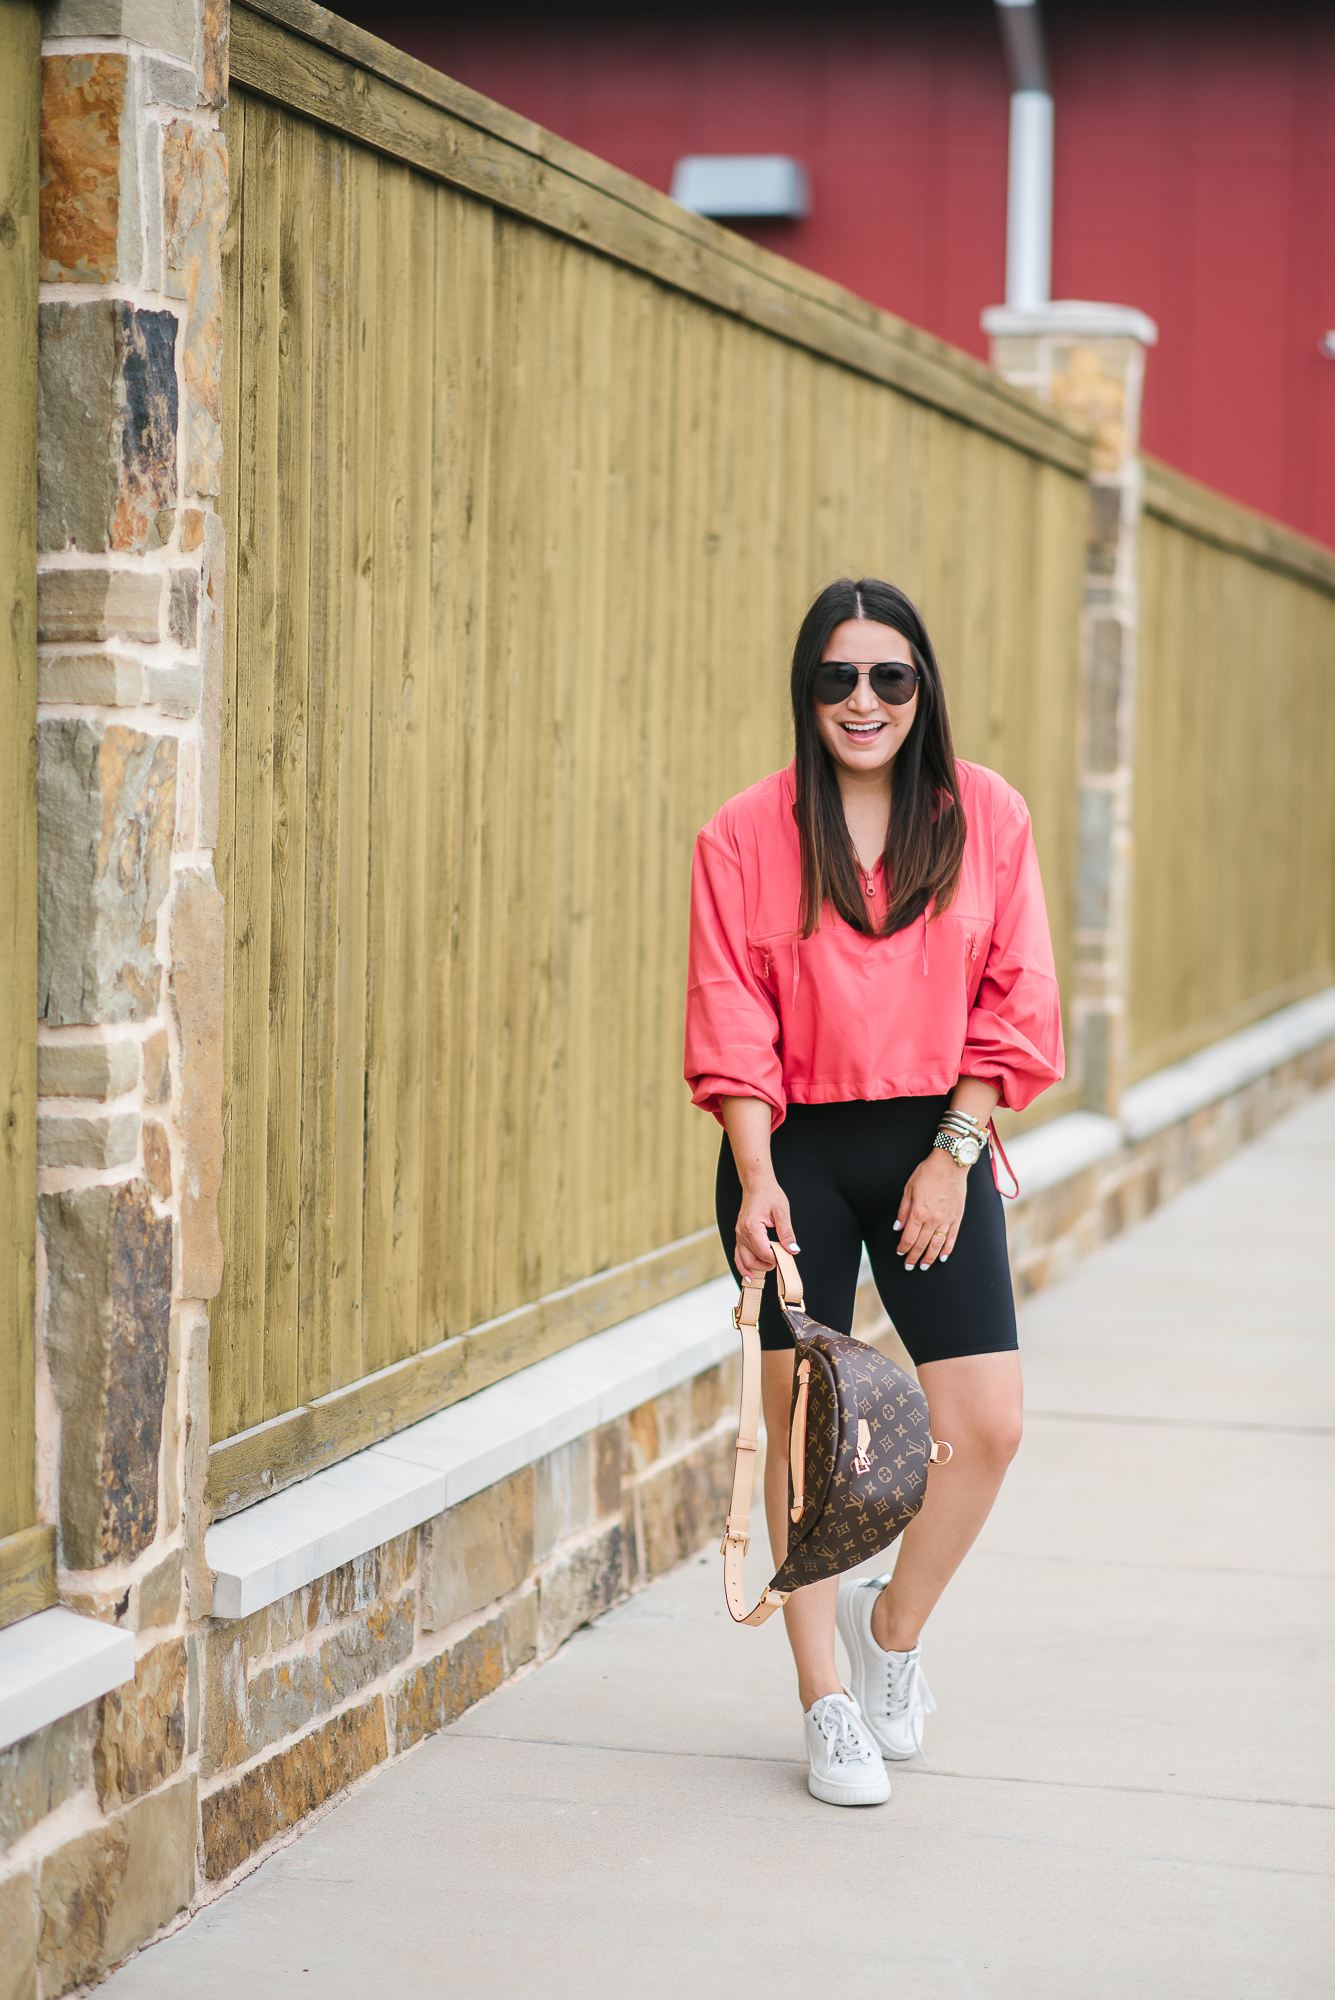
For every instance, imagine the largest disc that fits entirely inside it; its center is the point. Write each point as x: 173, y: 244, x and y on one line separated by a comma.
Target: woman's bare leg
x: 976, y: 1403
x: 809, y: 1612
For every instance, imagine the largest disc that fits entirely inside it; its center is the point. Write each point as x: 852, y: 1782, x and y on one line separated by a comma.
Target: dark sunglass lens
x: 894, y: 682
x: 834, y: 682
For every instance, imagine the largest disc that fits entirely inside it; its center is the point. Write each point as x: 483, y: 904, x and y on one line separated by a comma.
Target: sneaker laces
x: 907, y: 1693
x: 839, y: 1726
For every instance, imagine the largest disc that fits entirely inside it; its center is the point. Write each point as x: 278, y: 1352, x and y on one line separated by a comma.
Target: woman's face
x: 863, y: 733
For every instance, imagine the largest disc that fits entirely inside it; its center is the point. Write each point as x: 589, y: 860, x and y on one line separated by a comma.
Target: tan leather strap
x: 797, y: 1441
x: 736, y: 1538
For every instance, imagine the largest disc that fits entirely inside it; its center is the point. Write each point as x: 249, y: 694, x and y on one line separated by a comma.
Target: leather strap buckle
x: 740, y: 1541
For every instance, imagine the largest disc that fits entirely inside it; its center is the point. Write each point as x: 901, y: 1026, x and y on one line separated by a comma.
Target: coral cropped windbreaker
x: 840, y: 1015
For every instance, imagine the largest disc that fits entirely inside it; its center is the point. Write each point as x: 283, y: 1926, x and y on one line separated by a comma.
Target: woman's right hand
x: 746, y: 1120
x: 764, y: 1207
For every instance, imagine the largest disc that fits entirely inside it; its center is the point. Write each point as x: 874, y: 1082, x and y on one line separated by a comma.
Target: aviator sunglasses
x: 892, y: 680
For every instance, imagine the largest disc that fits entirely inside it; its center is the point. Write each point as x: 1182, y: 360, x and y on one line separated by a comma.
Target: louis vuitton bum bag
x: 858, y: 1450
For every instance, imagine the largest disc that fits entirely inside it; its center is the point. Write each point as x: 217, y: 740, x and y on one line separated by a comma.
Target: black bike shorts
x: 843, y: 1168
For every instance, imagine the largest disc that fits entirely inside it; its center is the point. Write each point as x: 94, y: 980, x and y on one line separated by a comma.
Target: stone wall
x: 98, y: 1813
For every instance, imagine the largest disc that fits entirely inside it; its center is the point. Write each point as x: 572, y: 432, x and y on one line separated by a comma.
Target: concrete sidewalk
x: 1131, y: 1783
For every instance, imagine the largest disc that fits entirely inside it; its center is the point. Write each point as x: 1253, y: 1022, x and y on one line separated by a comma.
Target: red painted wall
x: 1195, y: 178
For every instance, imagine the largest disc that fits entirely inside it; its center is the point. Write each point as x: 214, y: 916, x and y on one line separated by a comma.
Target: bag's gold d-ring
x: 939, y: 1445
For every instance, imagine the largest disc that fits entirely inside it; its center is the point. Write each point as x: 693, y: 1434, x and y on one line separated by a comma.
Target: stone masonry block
x: 477, y: 1551
x: 194, y: 189
x: 170, y: 83
x: 99, y: 679
x: 42, y: 1771
x: 106, y: 1892
x: 609, y: 1451
x: 283, y: 1697
x: 439, y: 1690
x: 1094, y: 869
x: 562, y: 1495
x: 578, y: 1585
x: 683, y: 1502
x: 88, y: 1142
x: 142, y: 1738
x: 157, y: 1159
x: 79, y: 606
x: 707, y: 1400
x: 213, y: 53
x: 109, y: 1260
x: 1103, y: 750
x: 18, y: 1938
x: 243, y: 1814
x: 183, y: 607
x: 106, y: 462
x: 211, y: 657
x: 157, y: 1069
x: 89, y: 199
x: 197, y: 952
x: 168, y: 25
x: 223, y: 1700
x: 160, y: 1592
x: 521, y: 1629
x: 176, y: 690
x: 84, y: 1069
x: 106, y: 802
x: 642, y: 1431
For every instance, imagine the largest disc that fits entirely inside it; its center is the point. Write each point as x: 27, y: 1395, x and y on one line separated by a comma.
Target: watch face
x: 967, y: 1152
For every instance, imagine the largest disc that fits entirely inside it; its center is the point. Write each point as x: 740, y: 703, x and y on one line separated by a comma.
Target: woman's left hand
x: 931, y: 1210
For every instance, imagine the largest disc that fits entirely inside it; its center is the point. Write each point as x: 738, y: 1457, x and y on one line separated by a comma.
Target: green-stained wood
x: 1234, y: 818
x: 27, y: 1574
x: 20, y: 105
x: 524, y: 533
x: 338, y: 75
x: 260, y: 1462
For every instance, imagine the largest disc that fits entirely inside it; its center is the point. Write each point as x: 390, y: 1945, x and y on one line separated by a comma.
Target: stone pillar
x: 133, y: 206
x: 1090, y: 360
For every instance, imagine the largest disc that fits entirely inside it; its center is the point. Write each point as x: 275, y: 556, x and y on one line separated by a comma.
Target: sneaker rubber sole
x: 848, y: 1795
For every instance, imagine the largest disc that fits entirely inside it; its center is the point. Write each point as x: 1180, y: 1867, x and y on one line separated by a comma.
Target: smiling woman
x: 870, y: 975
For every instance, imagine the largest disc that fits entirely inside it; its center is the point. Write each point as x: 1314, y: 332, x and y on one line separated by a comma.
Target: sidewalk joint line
x: 929, y: 1771
x: 1182, y: 1423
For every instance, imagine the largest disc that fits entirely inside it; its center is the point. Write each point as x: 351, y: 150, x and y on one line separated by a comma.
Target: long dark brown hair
x: 924, y: 844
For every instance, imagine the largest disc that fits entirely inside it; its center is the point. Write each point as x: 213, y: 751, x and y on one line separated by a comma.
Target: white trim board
x: 55, y: 1662
x: 285, y: 1542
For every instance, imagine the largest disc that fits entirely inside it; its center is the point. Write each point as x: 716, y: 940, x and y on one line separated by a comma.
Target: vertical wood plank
x: 291, y: 532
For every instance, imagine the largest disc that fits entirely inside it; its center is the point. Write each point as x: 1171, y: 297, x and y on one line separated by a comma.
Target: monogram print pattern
x: 857, y: 1503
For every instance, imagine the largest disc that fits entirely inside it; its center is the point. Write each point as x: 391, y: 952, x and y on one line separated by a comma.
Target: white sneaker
x: 846, y: 1767
x: 890, y: 1687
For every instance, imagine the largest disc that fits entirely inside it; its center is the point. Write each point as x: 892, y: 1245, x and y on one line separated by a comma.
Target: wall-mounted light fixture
x: 742, y: 187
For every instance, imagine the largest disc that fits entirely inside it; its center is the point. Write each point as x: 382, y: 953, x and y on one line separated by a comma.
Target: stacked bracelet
x: 967, y: 1127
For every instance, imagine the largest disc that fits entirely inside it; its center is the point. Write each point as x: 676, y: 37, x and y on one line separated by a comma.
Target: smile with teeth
x: 862, y: 728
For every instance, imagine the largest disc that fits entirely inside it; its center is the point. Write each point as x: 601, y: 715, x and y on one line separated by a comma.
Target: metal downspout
x: 1029, y: 177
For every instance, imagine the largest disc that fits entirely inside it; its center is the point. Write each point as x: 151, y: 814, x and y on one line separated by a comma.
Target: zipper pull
x: 871, y: 884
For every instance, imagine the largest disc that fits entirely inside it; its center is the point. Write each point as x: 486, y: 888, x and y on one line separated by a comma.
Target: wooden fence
x: 529, y: 477
x: 1234, y: 874
x: 27, y: 1553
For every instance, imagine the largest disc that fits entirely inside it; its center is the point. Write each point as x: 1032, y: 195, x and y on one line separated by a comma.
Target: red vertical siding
x: 1195, y: 178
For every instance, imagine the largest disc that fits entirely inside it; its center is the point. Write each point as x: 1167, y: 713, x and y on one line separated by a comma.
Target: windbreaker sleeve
x: 732, y: 1024
x: 1013, y: 1037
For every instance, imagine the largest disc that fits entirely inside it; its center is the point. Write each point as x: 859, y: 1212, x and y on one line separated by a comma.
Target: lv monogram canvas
x: 859, y: 1448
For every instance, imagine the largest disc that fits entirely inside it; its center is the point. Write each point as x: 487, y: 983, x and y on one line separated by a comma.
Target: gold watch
x: 963, y: 1151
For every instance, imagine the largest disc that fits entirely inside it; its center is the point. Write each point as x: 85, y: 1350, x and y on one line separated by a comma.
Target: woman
x: 870, y: 975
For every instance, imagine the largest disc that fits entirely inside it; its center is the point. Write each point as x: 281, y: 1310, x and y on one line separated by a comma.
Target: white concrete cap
x: 55, y: 1662
x: 304, y: 1532
x: 1071, y: 317
x: 1227, y: 1066
x: 1052, y: 1153
x: 757, y: 185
